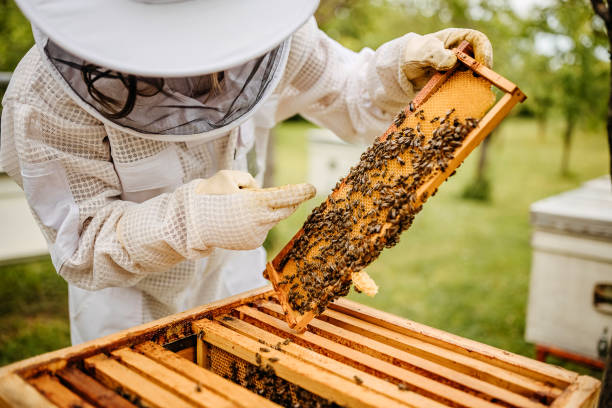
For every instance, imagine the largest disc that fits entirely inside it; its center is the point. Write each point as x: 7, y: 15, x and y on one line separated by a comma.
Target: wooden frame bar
x: 464, y: 364
x: 16, y: 392
x: 55, y: 392
x: 513, y: 362
x: 91, y: 389
x: 491, y: 119
x: 204, y: 377
x: 117, y: 376
x: 329, y: 364
x: 306, y: 375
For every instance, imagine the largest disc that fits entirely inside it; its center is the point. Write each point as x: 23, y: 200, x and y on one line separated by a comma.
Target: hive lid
x: 585, y: 210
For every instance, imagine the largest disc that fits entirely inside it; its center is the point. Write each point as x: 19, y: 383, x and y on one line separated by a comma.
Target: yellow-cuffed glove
x: 422, y: 55
x: 227, y: 210
x: 232, y: 212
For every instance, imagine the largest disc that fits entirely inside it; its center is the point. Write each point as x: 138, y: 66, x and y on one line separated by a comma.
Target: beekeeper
x: 138, y: 131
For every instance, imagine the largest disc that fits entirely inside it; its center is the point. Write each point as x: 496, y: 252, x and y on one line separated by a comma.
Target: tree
x: 568, y: 27
x: 15, y: 34
x: 602, y: 9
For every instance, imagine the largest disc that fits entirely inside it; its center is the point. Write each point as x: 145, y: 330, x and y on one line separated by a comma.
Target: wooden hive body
x: 351, y: 355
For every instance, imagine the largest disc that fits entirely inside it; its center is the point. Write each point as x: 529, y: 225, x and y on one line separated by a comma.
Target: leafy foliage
x: 15, y: 35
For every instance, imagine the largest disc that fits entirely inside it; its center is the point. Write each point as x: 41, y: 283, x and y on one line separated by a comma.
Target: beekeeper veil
x: 149, y: 67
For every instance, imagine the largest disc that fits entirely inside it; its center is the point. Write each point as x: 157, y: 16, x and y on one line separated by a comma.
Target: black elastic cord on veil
x: 147, y: 105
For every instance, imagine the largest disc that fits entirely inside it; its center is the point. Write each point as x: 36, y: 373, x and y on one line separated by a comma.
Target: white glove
x: 225, y: 211
x: 424, y: 54
x: 233, y: 213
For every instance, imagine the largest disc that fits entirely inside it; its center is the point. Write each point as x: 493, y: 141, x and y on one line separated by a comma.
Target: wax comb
x: 380, y: 196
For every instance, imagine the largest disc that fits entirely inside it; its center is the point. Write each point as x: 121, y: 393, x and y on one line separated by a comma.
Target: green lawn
x: 463, y: 266
x: 33, y: 311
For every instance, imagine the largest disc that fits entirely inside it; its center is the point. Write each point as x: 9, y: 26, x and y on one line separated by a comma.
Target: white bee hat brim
x: 168, y: 38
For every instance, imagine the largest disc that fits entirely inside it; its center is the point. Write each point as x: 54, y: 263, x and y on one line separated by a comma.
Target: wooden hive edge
x: 520, y: 364
x: 584, y: 393
x: 16, y: 392
x: 161, y: 331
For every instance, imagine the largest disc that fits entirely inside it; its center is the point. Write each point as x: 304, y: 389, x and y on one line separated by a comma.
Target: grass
x: 33, y: 311
x: 462, y: 267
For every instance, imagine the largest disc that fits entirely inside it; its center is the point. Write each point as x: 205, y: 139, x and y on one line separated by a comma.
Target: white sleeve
x: 73, y: 191
x: 355, y: 95
x: 61, y: 157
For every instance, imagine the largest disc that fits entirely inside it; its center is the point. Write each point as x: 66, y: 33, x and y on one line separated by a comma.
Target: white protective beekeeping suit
x: 86, y: 177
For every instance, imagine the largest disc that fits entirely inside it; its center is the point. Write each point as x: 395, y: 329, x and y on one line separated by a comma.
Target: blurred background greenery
x: 464, y: 265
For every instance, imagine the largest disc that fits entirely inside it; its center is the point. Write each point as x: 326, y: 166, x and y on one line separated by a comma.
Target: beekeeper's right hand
x: 423, y: 54
x: 227, y: 210
x: 232, y: 212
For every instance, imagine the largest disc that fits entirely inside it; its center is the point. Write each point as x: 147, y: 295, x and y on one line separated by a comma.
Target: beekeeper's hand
x: 227, y: 210
x: 230, y: 211
x: 425, y: 54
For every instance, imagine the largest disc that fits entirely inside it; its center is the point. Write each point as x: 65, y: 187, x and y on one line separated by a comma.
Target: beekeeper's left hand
x: 425, y: 54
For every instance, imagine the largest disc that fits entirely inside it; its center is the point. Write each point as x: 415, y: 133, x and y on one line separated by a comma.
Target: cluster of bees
x: 368, y: 209
x: 262, y: 379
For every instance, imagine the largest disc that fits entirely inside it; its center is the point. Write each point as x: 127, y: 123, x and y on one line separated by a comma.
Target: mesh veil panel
x: 184, y: 106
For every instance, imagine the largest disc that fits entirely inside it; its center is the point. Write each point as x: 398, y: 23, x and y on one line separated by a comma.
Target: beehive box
x: 239, y: 352
x: 572, y: 260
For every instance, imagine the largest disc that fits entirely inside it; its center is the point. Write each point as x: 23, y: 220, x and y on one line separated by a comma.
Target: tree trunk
x: 482, y: 160
x: 479, y: 188
x: 602, y: 9
x: 567, y: 144
x: 609, y: 123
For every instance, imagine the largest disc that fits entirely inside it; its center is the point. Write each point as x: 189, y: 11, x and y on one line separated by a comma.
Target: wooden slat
x: 306, y: 375
x: 584, y: 393
x: 174, y: 382
x: 55, y: 392
x: 163, y: 329
x: 394, y: 355
x: 500, y: 358
x: 91, y: 389
x: 492, y: 76
x: 233, y: 392
x: 15, y: 392
x: 343, y: 370
x: 348, y: 355
x: 202, y: 354
x: 115, y: 375
x: 468, y: 365
x: 272, y: 275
